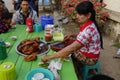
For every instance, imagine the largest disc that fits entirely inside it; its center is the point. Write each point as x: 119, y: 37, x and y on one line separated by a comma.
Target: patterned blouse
x: 89, y: 37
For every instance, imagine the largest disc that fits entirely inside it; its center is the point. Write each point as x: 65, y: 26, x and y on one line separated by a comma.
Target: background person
x: 23, y: 13
x: 86, y: 48
x: 5, y: 22
x: 33, y: 4
x: 2, y: 8
x: 16, y: 4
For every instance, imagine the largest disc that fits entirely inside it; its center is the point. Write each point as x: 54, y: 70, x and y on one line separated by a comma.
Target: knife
x: 54, y: 44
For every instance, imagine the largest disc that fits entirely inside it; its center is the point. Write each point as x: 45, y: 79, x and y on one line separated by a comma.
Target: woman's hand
x: 45, y: 58
x: 67, y: 37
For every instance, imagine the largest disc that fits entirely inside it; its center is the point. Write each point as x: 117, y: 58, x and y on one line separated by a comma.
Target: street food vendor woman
x: 86, y: 48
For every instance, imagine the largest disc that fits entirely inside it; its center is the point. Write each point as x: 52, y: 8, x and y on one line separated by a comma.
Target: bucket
x: 46, y: 20
x: 3, y: 53
x: 7, y: 71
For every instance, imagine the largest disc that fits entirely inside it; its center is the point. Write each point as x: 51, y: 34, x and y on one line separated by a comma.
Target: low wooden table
x: 23, y: 67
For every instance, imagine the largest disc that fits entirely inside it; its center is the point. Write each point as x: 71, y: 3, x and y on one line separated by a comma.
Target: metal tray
x: 41, y: 52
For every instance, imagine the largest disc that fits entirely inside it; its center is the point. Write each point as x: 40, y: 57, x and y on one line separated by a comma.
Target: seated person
x: 23, y: 13
x: 88, y: 42
x: 2, y: 8
x: 33, y: 4
x: 5, y: 22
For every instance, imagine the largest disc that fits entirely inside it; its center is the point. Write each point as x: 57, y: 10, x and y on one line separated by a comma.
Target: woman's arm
x: 64, y: 52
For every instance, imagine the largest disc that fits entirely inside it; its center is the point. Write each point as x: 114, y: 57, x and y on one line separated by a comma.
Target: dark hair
x: 6, y: 15
x: 101, y: 77
x: 86, y: 7
x: 23, y: 0
x: 2, y: 1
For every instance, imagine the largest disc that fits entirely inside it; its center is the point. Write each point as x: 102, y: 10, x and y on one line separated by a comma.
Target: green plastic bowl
x: 7, y: 71
x: 47, y: 73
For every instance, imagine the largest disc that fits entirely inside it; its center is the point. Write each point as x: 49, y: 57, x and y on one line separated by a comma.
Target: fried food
x: 30, y: 46
x: 31, y: 57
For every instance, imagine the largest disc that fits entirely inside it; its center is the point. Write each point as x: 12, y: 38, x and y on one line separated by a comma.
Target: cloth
x: 4, y: 27
x: 80, y: 58
x: 89, y: 37
x: 19, y: 17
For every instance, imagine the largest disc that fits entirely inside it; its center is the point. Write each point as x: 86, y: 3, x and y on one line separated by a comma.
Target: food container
x: 58, y: 36
x: 46, y: 20
x: 37, y: 27
x: 48, y: 32
x: 7, y: 71
x: 45, y: 73
x: 48, y: 37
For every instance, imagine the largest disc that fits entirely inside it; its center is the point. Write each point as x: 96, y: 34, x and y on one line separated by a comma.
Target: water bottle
x: 29, y: 25
x: 3, y: 53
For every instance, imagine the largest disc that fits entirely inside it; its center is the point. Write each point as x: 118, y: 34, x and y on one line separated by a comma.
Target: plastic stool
x: 87, y: 68
x: 7, y: 71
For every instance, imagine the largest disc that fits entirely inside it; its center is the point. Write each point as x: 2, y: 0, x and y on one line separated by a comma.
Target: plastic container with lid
x: 47, y: 19
x: 49, y: 32
x: 37, y: 27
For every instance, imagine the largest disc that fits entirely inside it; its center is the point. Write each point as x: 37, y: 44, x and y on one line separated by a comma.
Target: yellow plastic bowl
x: 58, y: 36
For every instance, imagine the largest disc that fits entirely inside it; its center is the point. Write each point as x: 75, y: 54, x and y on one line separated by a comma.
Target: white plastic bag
x: 54, y: 66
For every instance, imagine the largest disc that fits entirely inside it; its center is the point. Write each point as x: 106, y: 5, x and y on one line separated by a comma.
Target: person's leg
x: 78, y: 66
x: 101, y: 77
x: 85, y: 60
